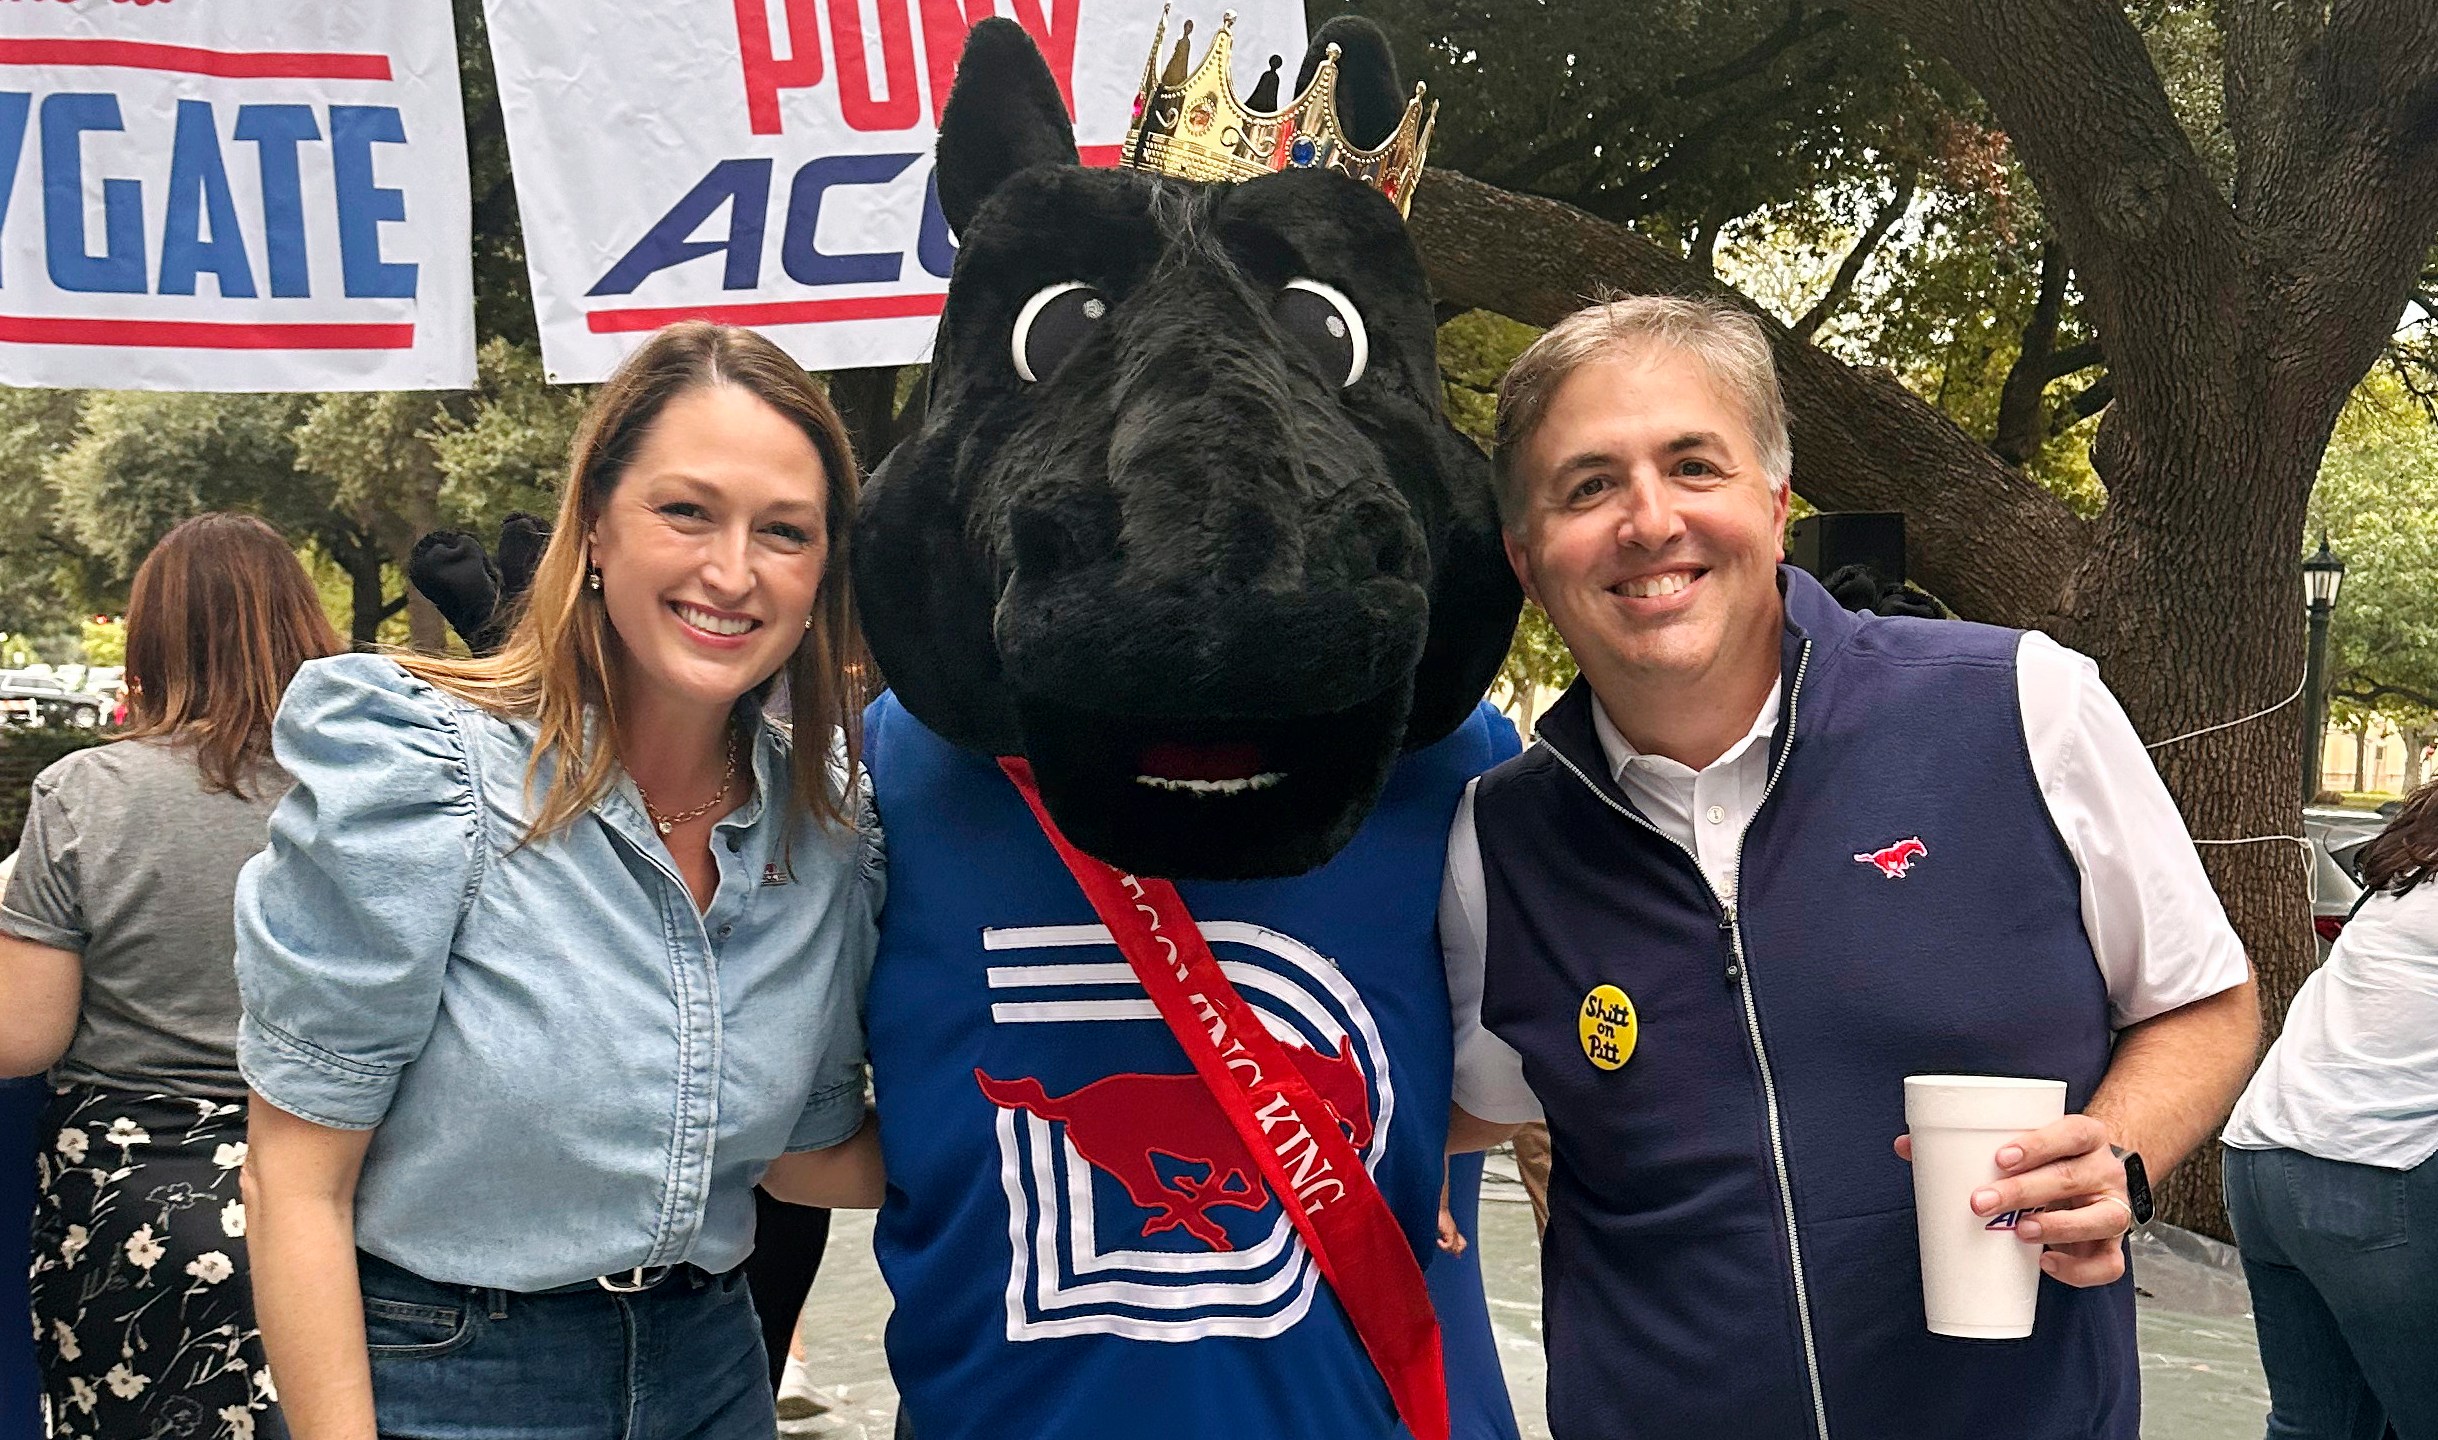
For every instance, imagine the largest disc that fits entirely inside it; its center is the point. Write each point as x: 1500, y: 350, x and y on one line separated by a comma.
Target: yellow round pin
x: 1609, y: 1027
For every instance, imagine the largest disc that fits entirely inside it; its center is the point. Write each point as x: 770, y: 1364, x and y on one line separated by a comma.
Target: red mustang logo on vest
x: 1898, y: 858
x: 1120, y: 1123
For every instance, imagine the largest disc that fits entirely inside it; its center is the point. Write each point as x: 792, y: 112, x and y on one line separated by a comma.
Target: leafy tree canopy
x: 2377, y: 493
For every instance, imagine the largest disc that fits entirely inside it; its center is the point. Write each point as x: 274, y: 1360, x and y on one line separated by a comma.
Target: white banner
x: 768, y: 162
x: 233, y: 195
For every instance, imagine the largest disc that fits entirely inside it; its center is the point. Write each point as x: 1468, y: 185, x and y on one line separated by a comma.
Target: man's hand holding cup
x: 2068, y: 1172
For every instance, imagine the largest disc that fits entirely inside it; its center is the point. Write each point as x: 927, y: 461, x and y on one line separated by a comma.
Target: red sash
x: 1311, y: 1167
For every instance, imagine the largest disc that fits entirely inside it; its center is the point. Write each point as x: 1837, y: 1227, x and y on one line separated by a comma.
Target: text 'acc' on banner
x: 768, y: 162
x: 233, y: 195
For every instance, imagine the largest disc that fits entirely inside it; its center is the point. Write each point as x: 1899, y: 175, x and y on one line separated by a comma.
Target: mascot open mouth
x: 1170, y: 794
x: 1224, y: 768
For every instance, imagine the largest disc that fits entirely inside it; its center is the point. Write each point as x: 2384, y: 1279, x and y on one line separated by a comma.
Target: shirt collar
x: 1622, y: 756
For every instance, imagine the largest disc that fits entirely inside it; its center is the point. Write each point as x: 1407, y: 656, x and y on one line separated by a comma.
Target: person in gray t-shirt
x: 118, y: 977
x: 129, y: 859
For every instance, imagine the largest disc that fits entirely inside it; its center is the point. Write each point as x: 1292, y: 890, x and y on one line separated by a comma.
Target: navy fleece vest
x: 1677, y: 1288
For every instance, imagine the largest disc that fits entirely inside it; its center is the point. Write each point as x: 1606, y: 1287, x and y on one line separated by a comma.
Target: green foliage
x: 503, y: 298
x: 337, y: 593
x: 1538, y: 659
x: 1673, y: 115
x: 1763, y: 139
x: 1475, y: 349
x: 25, y: 752
x: 38, y: 559
x: 105, y: 640
x: 142, y: 462
x: 2377, y: 492
x: 510, y: 451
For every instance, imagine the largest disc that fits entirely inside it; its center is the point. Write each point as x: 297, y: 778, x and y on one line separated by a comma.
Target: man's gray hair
x: 1729, y: 345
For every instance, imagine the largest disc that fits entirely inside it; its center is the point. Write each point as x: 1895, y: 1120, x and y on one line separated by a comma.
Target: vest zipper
x: 1739, y: 972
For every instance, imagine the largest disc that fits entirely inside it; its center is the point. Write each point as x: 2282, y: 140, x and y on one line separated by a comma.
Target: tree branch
x: 2374, y: 691
x: 2084, y: 404
x: 2075, y: 357
x: 394, y: 606
x: 1632, y: 111
x: 2021, y: 426
x: 1841, y: 285
x: 2163, y: 269
x: 1992, y: 544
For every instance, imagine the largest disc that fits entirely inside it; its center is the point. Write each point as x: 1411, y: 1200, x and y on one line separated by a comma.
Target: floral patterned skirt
x: 143, y: 1321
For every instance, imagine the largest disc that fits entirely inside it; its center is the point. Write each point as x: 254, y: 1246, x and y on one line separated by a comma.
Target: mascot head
x: 1184, y: 524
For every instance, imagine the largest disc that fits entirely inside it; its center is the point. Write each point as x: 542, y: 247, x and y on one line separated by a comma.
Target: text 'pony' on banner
x: 768, y: 162
x: 233, y: 195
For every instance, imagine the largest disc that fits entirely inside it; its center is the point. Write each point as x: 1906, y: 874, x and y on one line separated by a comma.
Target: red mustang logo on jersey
x: 1898, y: 858
x: 1119, y: 1123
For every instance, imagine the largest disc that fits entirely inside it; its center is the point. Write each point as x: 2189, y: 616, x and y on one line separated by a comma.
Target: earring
x: 808, y: 622
x: 592, y: 580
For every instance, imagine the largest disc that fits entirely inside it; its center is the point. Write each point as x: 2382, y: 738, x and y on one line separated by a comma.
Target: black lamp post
x: 2322, y: 574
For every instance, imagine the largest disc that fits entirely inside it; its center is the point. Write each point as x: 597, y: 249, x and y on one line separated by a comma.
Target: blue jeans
x: 682, y: 1361
x: 2343, y: 1265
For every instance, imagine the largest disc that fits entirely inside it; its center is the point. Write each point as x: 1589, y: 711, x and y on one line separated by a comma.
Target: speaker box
x: 1833, y: 539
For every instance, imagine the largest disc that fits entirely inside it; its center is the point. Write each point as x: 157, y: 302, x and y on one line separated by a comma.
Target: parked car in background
x: 30, y: 698
x: 2343, y: 833
x: 2333, y: 892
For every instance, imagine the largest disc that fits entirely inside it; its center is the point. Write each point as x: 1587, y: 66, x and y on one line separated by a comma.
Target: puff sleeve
x: 834, y: 1110
x: 346, y: 920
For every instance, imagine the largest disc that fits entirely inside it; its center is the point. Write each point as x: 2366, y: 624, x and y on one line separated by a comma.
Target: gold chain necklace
x: 667, y: 823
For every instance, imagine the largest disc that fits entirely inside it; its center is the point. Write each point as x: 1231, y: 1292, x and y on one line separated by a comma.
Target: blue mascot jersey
x: 1068, y: 1207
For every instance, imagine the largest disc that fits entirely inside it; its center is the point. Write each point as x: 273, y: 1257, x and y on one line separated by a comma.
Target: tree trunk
x: 367, y: 609
x: 2172, y: 602
x: 867, y: 402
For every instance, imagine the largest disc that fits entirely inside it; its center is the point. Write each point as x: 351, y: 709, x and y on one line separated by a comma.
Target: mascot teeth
x: 1263, y: 781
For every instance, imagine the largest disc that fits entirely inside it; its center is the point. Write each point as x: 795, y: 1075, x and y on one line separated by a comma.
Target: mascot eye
x: 1052, y: 324
x: 1326, y: 323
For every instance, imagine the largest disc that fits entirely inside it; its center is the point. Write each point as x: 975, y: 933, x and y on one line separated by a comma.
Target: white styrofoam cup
x: 1978, y: 1280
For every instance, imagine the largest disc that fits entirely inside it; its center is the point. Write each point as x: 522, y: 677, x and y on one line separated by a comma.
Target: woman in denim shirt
x: 555, y: 954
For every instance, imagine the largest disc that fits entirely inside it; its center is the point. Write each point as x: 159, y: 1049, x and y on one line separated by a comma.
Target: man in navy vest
x: 1766, y: 859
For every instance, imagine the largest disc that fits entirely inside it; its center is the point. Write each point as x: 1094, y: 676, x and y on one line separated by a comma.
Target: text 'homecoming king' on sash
x: 1290, y: 1133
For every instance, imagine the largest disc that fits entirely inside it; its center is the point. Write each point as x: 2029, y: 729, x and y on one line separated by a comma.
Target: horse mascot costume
x: 1187, y: 594
x: 1184, y: 575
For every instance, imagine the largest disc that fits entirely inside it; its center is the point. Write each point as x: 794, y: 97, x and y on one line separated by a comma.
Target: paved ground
x: 2200, y: 1366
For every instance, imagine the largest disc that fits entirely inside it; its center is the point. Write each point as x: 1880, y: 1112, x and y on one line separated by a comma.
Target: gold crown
x: 1193, y: 127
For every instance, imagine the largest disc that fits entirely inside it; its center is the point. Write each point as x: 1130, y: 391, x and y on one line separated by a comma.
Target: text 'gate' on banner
x: 768, y: 162
x: 233, y: 195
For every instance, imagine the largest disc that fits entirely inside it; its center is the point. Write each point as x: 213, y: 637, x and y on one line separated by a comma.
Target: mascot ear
x: 1370, y: 102
x: 1004, y: 115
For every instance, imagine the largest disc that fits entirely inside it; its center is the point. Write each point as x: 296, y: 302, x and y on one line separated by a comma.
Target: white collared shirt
x: 2155, y: 925
x: 1703, y: 810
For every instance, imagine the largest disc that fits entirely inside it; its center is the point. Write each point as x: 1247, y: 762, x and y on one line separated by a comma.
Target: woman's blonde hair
x: 221, y: 615
x: 558, y: 661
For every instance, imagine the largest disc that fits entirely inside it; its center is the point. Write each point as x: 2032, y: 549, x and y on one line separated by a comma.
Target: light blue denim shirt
x: 572, y: 1071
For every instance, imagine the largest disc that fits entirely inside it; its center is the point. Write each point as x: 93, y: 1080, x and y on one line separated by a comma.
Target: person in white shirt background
x: 1643, y: 467
x: 2329, y: 1180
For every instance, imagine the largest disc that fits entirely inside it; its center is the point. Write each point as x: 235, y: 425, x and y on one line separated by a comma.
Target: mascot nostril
x: 1184, y: 484
x: 1187, y: 595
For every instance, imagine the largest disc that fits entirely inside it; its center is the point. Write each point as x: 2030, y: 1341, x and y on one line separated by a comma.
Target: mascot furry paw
x: 475, y: 591
x: 1186, y: 545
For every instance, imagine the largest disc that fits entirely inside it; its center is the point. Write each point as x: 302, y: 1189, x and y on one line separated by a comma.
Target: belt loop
x: 499, y: 1302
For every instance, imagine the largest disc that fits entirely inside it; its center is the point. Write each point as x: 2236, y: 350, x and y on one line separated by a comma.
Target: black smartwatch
x: 2137, y: 1186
